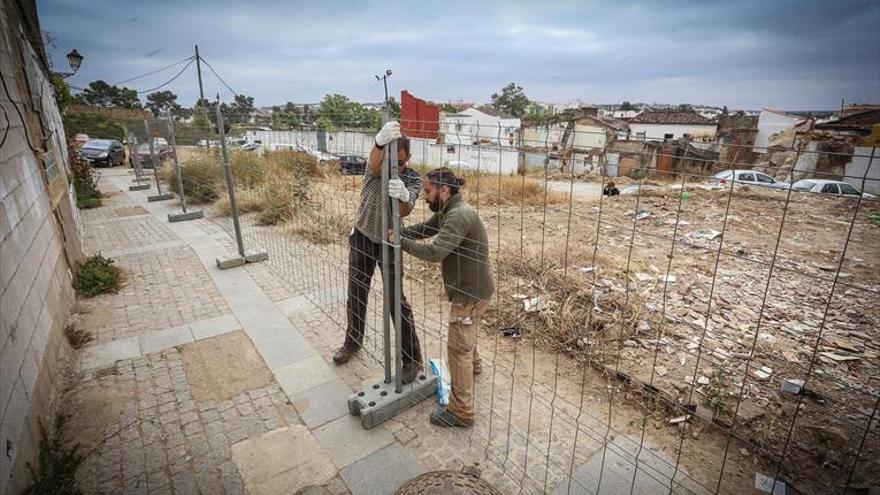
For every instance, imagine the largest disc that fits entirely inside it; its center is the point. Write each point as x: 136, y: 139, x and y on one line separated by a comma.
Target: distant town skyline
x: 747, y: 55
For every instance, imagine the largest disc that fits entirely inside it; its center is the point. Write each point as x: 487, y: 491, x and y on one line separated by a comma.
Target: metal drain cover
x: 447, y: 483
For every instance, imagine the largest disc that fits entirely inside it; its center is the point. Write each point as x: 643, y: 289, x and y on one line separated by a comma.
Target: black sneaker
x: 446, y: 419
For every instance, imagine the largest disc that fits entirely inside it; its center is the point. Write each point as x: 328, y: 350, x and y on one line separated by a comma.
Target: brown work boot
x: 410, y: 371
x: 342, y: 355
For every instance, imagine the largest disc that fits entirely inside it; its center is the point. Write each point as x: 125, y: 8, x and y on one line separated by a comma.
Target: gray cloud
x: 745, y: 54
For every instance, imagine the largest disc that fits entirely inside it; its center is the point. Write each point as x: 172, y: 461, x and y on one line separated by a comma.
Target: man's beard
x: 435, y: 205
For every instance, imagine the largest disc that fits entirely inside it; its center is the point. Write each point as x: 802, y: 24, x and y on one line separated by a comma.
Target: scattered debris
x: 661, y: 370
x: 679, y: 419
x: 839, y: 357
x: 703, y: 380
x: 763, y: 372
x: 769, y: 484
x: 792, y: 386
x: 533, y: 305
x: 512, y: 331
x: 641, y: 215
x: 587, y: 269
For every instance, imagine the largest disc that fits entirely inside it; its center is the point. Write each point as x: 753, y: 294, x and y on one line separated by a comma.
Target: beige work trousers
x: 461, y: 348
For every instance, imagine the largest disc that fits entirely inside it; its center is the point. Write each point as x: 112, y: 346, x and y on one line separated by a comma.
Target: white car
x: 749, y: 177
x: 828, y: 187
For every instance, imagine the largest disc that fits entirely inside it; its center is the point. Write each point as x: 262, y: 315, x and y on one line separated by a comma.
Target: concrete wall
x: 35, y: 276
x: 864, y: 168
x: 770, y: 123
x: 424, y: 151
x: 658, y: 131
x: 589, y: 136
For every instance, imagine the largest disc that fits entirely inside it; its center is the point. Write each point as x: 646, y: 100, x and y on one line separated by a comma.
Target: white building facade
x: 770, y: 123
x: 478, y: 126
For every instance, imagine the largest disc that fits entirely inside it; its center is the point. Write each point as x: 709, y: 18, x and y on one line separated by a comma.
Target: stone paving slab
x: 346, y: 441
x: 105, y: 354
x: 324, y: 403
x: 282, y: 461
x: 382, y: 472
x: 303, y: 375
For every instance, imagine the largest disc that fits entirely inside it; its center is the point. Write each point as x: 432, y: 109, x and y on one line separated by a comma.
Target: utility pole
x: 199, y: 72
x: 384, y: 78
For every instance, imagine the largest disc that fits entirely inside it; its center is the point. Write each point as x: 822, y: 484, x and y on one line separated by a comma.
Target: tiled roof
x: 670, y: 118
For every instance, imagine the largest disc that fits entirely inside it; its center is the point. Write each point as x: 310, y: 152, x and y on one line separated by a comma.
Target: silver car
x: 750, y: 177
x: 829, y: 187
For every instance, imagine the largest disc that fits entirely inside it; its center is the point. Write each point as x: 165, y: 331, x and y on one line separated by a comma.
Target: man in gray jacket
x: 460, y: 243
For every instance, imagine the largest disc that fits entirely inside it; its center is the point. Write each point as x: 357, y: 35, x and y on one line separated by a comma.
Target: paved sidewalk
x: 198, y: 382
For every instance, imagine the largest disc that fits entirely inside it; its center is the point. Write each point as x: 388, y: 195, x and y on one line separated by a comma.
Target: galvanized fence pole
x: 158, y: 196
x: 136, y: 163
x: 230, y: 186
x: 386, y: 279
x: 180, y: 217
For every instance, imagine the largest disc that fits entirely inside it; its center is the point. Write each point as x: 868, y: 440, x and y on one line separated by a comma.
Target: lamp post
x: 74, y: 58
x: 384, y: 79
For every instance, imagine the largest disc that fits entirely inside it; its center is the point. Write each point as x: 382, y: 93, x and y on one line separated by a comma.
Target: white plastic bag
x: 444, y: 383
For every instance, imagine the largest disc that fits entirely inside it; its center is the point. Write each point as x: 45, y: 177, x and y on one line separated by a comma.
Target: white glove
x: 397, y: 190
x: 389, y: 132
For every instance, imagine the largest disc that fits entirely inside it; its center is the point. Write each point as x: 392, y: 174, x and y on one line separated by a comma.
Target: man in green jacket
x: 461, y: 245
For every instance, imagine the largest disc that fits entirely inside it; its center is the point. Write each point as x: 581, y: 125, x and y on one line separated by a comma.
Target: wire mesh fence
x: 655, y: 326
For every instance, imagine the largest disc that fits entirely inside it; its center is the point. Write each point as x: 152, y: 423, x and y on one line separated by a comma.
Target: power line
x: 154, y: 71
x: 170, y: 80
x: 234, y: 93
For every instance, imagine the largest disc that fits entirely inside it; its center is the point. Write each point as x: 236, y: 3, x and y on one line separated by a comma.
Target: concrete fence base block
x: 379, y: 402
x: 238, y: 260
x: 160, y: 197
x: 142, y: 187
x: 182, y: 217
x: 254, y: 258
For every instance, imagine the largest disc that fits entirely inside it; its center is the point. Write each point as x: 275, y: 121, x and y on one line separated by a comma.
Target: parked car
x: 107, y: 152
x: 352, y: 165
x: 749, y: 177
x: 163, y: 152
x: 829, y: 187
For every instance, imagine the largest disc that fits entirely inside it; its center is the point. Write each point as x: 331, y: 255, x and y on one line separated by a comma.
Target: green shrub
x: 85, y: 180
x: 57, y: 464
x: 202, y: 177
x: 97, y: 275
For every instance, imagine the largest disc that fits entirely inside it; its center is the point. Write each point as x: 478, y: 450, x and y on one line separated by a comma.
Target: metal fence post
x: 241, y: 259
x: 180, y: 217
x: 379, y: 402
x: 136, y: 163
x: 158, y: 196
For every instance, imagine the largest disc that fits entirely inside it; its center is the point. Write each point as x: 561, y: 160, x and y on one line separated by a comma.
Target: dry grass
x: 492, y: 189
x: 577, y: 312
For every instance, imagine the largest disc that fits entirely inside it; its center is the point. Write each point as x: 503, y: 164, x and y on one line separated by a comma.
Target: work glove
x: 397, y: 190
x: 389, y: 132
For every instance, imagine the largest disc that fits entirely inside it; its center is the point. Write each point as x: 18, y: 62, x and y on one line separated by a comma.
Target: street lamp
x: 74, y: 58
x: 384, y: 79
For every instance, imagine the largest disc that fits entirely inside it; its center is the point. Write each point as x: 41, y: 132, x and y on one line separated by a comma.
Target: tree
x: 338, y: 111
x: 101, y: 94
x: 536, y: 113
x: 161, y: 101
x: 626, y: 105
x: 448, y: 108
x: 240, y: 109
x: 512, y: 100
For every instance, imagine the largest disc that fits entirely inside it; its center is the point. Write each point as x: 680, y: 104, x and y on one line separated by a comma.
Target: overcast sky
x: 794, y: 55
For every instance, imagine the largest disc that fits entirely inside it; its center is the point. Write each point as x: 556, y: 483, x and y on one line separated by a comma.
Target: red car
x: 161, y: 149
